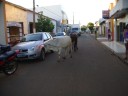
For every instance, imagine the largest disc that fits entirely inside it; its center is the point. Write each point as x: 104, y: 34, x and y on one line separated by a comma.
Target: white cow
x: 62, y: 45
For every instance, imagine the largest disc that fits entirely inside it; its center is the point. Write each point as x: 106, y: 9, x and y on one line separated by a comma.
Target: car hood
x: 26, y: 45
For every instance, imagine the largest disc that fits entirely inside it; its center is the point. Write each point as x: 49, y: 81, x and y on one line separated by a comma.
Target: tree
x: 44, y: 24
x: 83, y: 28
x: 90, y: 26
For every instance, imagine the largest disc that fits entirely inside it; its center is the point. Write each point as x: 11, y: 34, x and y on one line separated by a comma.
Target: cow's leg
x: 68, y: 51
x: 59, y: 54
x: 64, y: 53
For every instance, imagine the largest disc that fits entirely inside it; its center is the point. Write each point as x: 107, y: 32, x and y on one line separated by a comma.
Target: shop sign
x: 105, y: 14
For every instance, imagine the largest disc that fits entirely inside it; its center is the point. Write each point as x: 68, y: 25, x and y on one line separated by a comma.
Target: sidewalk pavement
x: 117, y: 48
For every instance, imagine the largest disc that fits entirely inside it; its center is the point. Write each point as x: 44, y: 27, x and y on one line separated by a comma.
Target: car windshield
x: 74, y: 29
x: 32, y: 37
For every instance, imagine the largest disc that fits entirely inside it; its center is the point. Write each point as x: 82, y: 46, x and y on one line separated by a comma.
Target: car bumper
x: 27, y: 56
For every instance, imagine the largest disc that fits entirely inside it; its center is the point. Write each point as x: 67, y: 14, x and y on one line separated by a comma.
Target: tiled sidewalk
x: 116, y: 47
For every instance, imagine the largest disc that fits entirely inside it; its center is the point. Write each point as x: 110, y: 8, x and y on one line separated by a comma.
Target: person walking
x: 109, y: 35
x: 126, y: 41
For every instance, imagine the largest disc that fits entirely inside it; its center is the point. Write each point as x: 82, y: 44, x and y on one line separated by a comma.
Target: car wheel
x: 10, y: 68
x: 42, y: 55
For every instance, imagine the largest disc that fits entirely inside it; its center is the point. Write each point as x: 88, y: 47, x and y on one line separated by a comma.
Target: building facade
x: 2, y: 22
x: 110, y: 23
x: 102, y: 27
x: 15, y: 22
x: 56, y: 13
x: 30, y: 21
x: 120, y: 15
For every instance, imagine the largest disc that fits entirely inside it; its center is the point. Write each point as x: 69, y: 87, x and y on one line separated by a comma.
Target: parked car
x: 60, y: 34
x: 32, y: 46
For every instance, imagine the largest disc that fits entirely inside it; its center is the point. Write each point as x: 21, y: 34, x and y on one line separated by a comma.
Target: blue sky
x: 84, y: 10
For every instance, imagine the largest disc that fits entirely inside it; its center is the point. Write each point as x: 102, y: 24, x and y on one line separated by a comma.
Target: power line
x: 51, y: 12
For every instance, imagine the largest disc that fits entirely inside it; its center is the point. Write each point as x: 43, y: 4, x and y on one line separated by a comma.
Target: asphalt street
x: 93, y: 71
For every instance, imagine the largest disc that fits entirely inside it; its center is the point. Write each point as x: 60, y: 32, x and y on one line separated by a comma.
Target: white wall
x: 55, y: 29
x: 125, y: 20
x: 56, y: 13
x: 53, y: 12
x: 30, y: 19
x: 2, y: 26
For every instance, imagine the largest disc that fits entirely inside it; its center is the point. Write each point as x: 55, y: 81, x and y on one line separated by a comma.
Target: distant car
x: 32, y: 46
x: 60, y: 34
x: 76, y: 32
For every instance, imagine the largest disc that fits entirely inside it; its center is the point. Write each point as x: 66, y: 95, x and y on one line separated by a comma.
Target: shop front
x: 16, y: 23
x: 120, y: 15
x: 121, y: 19
x: 14, y: 32
x: 102, y: 23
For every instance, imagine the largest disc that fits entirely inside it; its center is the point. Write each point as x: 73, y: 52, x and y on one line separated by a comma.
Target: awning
x: 13, y: 24
x: 119, y: 13
x: 2, y: 0
x: 101, y: 21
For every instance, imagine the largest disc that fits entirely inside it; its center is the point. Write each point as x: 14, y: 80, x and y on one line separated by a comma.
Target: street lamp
x: 34, y: 29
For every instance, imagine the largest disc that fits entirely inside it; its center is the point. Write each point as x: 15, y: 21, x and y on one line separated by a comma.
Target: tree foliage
x: 44, y: 24
x: 90, y: 26
x: 83, y: 28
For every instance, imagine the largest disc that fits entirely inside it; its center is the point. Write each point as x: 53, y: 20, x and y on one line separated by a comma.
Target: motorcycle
x: 8, y: 64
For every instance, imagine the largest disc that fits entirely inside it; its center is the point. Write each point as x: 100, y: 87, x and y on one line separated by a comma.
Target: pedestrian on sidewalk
x: 109, y: 35
x: 95, y: 33
x: 126, y: 40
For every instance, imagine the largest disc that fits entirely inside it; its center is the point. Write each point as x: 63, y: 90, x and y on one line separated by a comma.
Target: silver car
x: 33, y: 46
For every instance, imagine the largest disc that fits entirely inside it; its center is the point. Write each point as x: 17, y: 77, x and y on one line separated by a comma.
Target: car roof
x: 60, y: 32
x: 37, y: 33
x: 40, y: 32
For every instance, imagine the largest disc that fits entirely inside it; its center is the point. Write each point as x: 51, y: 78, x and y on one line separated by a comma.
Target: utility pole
x: 73, y: 17
x: 34, y: 28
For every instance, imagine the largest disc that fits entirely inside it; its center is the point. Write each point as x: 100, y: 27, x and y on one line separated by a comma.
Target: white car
x: 60, y: 34
x: 33, y: 46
